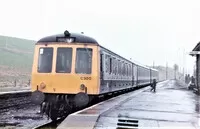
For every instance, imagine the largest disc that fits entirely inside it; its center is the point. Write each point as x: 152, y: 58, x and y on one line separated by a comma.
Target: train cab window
x: 64, y: 60
x: 83, y: 60
x: 45, y: 60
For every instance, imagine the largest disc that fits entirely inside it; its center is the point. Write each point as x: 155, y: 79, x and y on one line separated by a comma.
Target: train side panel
x: 143, y: 76
x: 115, y: 72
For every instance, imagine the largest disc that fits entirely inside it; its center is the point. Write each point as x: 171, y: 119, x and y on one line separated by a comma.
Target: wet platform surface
x: 172, y: 106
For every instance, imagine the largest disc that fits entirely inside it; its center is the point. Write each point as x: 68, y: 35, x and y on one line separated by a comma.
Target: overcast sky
x: 144, y: 30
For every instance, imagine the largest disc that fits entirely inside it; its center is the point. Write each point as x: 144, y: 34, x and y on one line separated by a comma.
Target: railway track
x: 14, y: 99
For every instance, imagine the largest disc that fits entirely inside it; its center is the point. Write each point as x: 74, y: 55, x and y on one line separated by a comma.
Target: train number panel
x: 86, y: 78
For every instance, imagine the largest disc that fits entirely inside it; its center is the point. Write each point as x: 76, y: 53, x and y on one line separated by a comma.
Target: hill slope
x: 15, y: 60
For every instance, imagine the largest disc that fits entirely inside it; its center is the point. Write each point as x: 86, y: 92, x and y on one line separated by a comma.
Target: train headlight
x: 82, y: 87
x: 42, y: 85
x: 66, y: 33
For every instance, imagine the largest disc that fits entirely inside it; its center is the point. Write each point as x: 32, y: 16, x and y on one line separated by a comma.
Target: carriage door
x: 102, y: 82
x: 101, y: 66
x: 135, y: 74
x: 151, y: 75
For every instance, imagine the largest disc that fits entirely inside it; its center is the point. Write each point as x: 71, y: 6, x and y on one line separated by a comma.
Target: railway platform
x: 172, y: 106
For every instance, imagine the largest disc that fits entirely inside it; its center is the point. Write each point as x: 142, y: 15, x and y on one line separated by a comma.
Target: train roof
x: 134, y: 62
x: 66, y: 36
x: 153, y: 69
x: 141, y: 65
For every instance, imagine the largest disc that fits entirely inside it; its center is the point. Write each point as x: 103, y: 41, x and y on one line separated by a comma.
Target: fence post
x: 15, y: 83
x: 29, y: 81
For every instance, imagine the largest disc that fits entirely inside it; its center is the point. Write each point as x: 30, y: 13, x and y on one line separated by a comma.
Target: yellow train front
x: 64, y: 72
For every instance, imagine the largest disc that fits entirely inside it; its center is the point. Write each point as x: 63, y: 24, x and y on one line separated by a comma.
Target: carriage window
x: 64, y: 60
x: 111, y: 65
x: 83, y: 60
x: 123, y: 69
x: 126, y: 67
x: 116, y: 67
x: 130, y: 70
x: 101, y: 62
x: 119, y: 67
x: 107, y: 64
x: 45, y: 60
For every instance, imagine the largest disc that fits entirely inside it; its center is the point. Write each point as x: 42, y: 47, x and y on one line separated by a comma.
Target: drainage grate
x: 127, y: 124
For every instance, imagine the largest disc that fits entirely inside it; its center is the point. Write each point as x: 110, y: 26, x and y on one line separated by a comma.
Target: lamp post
x: 166, y: 70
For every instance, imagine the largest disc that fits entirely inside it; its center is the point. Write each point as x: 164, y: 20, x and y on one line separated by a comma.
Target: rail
x: 15, y: 98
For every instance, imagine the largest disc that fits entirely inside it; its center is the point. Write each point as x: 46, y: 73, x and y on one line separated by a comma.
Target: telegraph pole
x: 176, y: 67
x: 166, y: 70
x: 153, y: 64
x: 184, y: 64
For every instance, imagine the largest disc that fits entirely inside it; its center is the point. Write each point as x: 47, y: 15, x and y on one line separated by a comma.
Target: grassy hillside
x: 15, y: 60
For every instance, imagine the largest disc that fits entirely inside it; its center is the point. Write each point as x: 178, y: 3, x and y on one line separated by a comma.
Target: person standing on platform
x: 153, y: 86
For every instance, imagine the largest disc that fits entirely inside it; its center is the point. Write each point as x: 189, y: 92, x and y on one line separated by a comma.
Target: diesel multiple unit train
x: 70, y: 70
